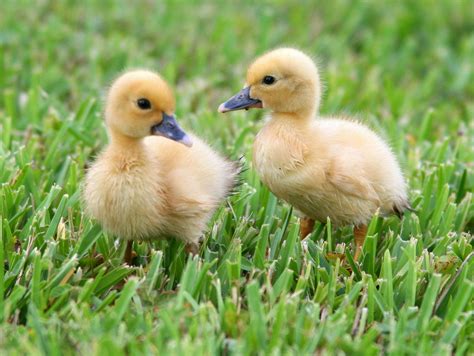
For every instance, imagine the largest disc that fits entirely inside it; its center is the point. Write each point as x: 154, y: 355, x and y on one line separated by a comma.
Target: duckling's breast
x: 127, y: 201
x: 277, y: 155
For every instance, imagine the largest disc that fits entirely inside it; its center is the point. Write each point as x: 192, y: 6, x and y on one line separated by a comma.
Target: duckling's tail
x: 237, y: 168
x: 401, y: 206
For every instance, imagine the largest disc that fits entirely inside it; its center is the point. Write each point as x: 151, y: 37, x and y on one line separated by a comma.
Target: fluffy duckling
x: 153, y: 180
x: 324, y: 167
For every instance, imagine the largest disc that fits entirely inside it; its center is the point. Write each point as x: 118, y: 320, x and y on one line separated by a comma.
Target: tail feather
x: 400, y: 207
x: 237, y: 169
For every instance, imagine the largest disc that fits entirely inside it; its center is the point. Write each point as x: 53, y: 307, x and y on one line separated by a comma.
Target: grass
x: 405, y: 68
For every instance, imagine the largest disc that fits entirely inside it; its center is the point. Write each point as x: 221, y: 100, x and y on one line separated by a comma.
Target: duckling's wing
x: 355, y: 186
x: 348, y: 177
x: 189, y: 207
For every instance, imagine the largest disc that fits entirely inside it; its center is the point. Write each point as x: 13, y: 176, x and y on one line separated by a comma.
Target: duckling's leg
x: 306, y: 227
x: 128, y: 257
x: 192, y: 248
x: 359, y: 237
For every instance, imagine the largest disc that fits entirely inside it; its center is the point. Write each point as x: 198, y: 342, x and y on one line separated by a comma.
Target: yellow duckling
x: 153, y: 180
x: 324, y: 167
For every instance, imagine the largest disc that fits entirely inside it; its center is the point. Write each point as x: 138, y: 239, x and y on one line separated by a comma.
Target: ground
x: 405, y: 68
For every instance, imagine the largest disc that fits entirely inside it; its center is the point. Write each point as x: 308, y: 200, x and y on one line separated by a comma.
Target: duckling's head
x: 284, y: 80
x: 140, y: 103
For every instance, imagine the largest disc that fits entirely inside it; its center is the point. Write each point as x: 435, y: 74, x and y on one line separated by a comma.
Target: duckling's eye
x: 144, y: 104
x: 268, y: 80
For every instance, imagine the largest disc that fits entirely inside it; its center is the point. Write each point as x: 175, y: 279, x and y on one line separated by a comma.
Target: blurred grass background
x: 405, y: 68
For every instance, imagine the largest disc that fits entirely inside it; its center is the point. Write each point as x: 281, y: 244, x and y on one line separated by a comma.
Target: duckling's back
x: 362, y: 171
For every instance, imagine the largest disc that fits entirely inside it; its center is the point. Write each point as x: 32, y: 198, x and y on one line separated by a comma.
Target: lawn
x: 406, y: 68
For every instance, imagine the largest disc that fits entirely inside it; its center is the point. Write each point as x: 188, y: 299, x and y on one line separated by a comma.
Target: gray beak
x: 241, y: 100
x: 169, y: 128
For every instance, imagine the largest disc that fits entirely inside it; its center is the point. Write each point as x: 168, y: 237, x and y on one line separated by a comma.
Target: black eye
x: 144, y: 104
x: 268, y: 80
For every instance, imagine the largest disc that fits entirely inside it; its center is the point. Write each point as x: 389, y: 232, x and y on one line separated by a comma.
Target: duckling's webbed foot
x: 306, y: 227
x: 192, y: 248
x: 359, y: 237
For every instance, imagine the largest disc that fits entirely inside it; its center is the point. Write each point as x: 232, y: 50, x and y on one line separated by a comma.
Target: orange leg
x: 192, y: 248
x: 128, y: 257
x: 359, y: 237
x: 306, y: 227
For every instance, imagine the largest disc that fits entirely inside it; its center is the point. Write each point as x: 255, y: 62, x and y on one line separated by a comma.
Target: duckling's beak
x: 169, y: 128
x: 241, y: 100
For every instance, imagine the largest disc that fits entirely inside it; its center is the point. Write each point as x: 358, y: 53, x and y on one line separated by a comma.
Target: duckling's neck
x: 122, y: 142
x: 127, y: 151
x: 293, y: 121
